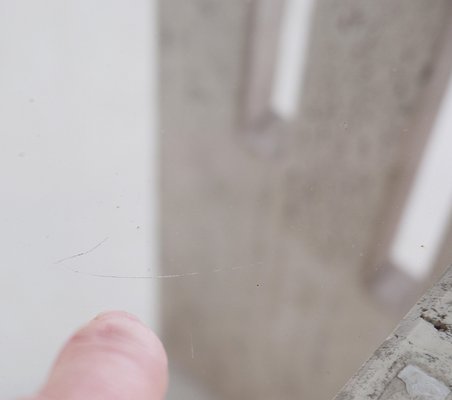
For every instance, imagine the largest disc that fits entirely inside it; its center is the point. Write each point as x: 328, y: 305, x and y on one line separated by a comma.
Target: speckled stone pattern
x: 415, y: 361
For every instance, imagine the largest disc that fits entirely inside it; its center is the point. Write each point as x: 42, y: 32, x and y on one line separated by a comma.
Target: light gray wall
x: 77, y: 163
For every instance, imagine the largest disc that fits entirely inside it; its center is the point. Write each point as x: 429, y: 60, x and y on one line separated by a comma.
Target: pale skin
x: 114, y: 357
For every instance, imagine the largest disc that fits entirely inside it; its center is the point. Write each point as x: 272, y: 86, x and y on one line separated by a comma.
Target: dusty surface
x: 288, y: 317
x: 414, y: 362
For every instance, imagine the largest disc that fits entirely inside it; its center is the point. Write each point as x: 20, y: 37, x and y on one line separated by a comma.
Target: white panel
x: 77, y: 166
x: 428, y: 210
x: 293, y: 42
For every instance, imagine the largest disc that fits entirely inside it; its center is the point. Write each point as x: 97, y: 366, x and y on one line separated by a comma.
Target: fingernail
x: 116, y: 315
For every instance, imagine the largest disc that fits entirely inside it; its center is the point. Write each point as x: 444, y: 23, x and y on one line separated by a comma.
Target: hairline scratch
x: 191, y: 345
x: 83, y: 253
x: 165, y: 276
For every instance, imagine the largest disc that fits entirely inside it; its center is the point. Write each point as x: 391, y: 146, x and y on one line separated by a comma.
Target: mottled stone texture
x: 287, y: 315
x: 414, y: 362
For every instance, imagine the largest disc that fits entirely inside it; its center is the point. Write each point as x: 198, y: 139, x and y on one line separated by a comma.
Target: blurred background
x: 267, y: 183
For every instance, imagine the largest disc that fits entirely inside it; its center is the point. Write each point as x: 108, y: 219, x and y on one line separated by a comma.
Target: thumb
x: 114, y: 357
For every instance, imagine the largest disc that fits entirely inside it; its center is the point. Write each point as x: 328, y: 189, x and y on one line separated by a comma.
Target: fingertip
x: 125, y: 320
x: 116, y: 314
x: 114, y: 355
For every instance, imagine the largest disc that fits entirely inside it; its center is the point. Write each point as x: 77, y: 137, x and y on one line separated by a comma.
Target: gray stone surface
x: 415, y: 361
x: 420, y: 385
